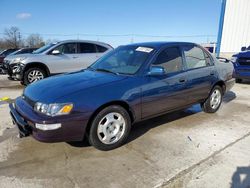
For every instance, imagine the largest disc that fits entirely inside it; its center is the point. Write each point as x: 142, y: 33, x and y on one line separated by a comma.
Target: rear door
x: 165, y: 92
x: 87, y: 53
x: 201, y: 72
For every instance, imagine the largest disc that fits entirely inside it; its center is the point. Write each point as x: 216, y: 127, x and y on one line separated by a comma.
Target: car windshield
x: 123, y: 60
x: 44, y: 48
x: 5, y: 52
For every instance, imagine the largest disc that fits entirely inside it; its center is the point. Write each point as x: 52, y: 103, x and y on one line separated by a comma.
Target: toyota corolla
x: 130, y: 84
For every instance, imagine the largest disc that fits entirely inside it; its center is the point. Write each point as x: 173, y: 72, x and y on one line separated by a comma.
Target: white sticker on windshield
x: 144, y: 49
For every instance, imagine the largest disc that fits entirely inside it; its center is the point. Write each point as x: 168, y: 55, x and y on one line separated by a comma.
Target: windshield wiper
x: 105, y: 70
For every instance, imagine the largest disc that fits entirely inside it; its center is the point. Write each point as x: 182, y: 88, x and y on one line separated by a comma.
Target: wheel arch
x: 121, y: 103
x: 222, y: 84
x: 38, y: 65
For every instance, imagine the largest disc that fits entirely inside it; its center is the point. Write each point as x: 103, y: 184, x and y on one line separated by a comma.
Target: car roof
x: 161, y: 44
x: 87, y: 41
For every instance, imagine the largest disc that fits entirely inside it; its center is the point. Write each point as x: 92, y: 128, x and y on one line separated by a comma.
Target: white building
x: 234, y: 28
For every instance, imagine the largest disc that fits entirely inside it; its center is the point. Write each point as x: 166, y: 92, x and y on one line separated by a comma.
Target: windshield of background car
x: 15, y: 52
x: 124, y: 60
x: 44, y: 48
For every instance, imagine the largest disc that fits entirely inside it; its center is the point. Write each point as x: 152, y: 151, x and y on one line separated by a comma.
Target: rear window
x: 101, y: 49
x: 87, y: 48
x: 195, y: 57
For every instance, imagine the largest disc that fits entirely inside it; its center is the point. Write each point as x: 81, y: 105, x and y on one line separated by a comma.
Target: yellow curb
x: 4, y: 99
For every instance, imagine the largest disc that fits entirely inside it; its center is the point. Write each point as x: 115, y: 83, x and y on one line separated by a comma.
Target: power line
x: 122, y: 35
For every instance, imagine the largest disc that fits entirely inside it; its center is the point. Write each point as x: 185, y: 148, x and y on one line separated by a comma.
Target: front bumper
x: 72, y: 126
x: 242, y: 72
x: 15, y: 71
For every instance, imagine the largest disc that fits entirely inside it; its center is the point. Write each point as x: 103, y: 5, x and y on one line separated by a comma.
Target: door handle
x: 75, y: 57
x: 182, y: 80
x: 211, y: 73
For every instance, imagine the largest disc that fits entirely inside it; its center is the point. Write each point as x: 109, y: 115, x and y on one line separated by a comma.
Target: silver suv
x: 55, y: 58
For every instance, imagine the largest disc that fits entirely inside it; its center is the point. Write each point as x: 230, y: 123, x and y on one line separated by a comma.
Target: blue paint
x: 242, y: 65
x: 221, y: 23
x: 144, y: 95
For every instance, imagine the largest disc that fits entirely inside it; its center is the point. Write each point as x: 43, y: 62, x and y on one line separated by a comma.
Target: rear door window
x: 195, y: 57
x: 170, y: 59
x: 101, y: 49
x: 87, y: 48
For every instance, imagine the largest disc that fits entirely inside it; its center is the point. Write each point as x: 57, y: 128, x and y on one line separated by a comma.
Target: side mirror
x: 244, y: 48
x: 156, y: 71
x: 55, y: 52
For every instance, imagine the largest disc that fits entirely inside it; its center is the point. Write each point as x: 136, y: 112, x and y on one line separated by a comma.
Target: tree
x: 13, y: 37
x: 34, y: 41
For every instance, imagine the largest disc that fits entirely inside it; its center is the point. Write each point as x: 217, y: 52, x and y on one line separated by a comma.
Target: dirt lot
x: 183, y: 149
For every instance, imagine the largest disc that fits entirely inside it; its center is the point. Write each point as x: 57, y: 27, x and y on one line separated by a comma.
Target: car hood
x: 9, y: 58
x: 245, y: 54
x: 50, y: 89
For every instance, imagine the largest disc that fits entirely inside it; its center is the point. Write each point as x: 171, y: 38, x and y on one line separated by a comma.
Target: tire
x: 110, y: 128
x: 28, y: 74
x: 238, y: 80
x: 213, y: 102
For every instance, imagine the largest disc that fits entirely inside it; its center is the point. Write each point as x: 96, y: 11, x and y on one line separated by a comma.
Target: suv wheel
x: 110, y: 128
x: 33, y: 75
x: 213, y: 102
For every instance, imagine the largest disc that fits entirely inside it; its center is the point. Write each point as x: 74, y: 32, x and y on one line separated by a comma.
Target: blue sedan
x: 130, y: 84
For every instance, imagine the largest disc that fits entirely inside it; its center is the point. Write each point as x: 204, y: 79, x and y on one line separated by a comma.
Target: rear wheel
x: 33, y: 75
x: 213, y: 102
x: 110, y: 128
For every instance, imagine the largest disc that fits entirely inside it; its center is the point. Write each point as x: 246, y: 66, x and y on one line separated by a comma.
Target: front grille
x: 244, y: 61
x: 29, y: 101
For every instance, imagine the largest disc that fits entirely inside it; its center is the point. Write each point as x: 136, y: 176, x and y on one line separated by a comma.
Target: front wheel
x: 33, y: 75
x: 110, y: 128
x: 213, y: 102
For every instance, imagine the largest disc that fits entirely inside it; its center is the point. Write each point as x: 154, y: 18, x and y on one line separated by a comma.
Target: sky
x: 116, y: 22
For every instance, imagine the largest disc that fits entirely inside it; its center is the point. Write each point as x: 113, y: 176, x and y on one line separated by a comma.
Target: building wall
x: 236, y: 26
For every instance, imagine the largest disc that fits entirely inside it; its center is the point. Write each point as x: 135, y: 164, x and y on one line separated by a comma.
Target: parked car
x: 241, y: 62
x: 3, y: 54
x: 17, y: 52
x: 23, y: 51
x: 127, y: 85
x: 56, y: 58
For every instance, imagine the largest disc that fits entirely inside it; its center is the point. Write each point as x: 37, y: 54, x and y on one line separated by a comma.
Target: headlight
x: 18, y: 59
x: 17, y: 67
x: 53, y: 109
x: 234, y: 59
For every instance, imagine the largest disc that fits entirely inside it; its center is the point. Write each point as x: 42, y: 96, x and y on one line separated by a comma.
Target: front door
x: 166, y: 92
x: 65, y: 61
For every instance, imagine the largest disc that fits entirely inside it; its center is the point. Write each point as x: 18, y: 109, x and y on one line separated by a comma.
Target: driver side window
x: 170, y: 59
x: 68, y: 48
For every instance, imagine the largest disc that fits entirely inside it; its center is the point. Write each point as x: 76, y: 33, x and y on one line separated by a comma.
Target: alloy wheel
x: 111, y: 128
x: 35, y: 75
